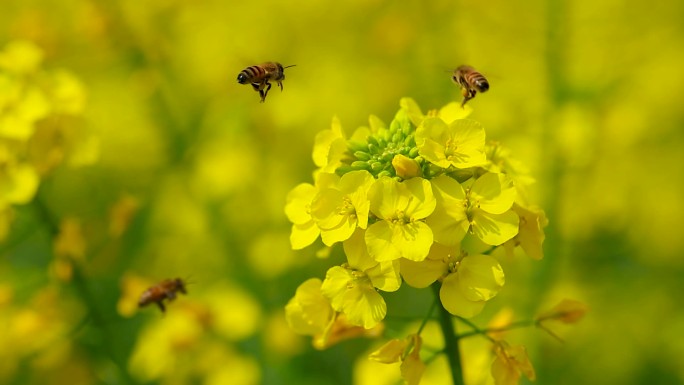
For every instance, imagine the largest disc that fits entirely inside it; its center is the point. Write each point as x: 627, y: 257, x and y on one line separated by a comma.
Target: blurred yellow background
x: 188, y: 174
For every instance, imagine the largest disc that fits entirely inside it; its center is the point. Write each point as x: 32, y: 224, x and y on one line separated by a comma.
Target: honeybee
x: 166, y: 289
x: 261, y: 75
x: 471, y: 82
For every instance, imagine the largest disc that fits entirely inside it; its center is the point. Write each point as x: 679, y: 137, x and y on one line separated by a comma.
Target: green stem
x: 451, y: 348
x: 428, y: 316
x: 477, y: 331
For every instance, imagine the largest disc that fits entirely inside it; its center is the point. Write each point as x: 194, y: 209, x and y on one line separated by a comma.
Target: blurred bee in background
x: 261, y: 75
x: 471, y: 82
x: 167, y: 289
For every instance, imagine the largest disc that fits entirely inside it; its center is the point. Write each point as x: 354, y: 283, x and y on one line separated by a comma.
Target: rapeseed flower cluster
x: 424, y: 199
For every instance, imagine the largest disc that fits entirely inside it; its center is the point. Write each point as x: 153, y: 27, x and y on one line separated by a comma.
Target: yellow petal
x: 390, y: 352
x: 455, y: 302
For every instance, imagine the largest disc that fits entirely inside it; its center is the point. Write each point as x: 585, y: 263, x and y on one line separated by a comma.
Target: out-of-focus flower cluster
x: 40, y: 125
x: 421, y: 200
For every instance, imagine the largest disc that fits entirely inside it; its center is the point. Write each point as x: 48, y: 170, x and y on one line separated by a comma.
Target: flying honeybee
x: 166, y: 289
x: 261, y: 75
x: 471, y: 82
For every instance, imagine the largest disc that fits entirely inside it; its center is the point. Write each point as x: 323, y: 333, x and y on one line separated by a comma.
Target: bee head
x: 242, y: 78
x: 181, y: 285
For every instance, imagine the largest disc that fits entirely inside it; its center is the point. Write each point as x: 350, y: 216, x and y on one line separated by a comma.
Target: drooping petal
x: 531, y: 231
x: 480, y: 277
x: 390, y: 352
x: 455, y: 302
x: 309, y: 312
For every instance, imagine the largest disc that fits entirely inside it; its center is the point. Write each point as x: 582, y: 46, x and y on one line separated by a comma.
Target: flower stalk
x: 451, y: 346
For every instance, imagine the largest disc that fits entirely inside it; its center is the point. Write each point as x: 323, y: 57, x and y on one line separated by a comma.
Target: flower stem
x: 451, y: 349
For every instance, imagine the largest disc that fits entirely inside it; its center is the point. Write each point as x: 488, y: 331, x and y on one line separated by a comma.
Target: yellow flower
x: 401, y: 206
x: 530, y: 235
x: 460, y: 144
x: 309, y: 312
x: 510, y: 363
x: 474, y: 280
x: 406, y: 351
x: 340, y: 208
x: 489, y: 201
x: 351, y: 287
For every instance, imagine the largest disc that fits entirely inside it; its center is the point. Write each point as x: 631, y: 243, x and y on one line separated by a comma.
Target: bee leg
x: 256, y: 86
x: 265, y: 92
x: 161, y: 306
x: 281, y: 86
x: 467, y: 95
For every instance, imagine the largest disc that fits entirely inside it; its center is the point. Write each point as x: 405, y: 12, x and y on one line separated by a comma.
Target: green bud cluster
x: 375, y: 154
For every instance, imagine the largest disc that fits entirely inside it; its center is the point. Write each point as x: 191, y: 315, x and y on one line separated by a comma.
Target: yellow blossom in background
x: 501, y: 320
x: 18, y: 180
x: 70, y: 242
x: 530, y: 235
x: 567, y: 311
x: 510, y: 363
x: 406, y: 351
x: 21, y: 57
x: 121, y: 214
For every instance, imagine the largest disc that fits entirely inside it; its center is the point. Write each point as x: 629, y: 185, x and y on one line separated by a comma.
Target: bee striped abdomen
x: 479, y: 81
x: 251, y: 74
